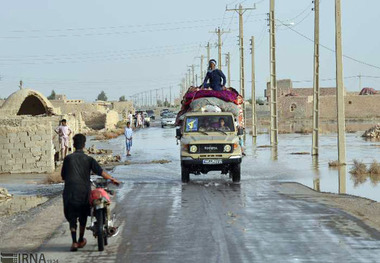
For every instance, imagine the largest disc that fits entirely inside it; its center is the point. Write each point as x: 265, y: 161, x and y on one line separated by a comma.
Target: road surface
x: 212, y: 220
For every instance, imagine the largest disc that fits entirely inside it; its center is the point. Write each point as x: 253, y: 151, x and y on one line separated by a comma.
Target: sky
x: 80, y: 48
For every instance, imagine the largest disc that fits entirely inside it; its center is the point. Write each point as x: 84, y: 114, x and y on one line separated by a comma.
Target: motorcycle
x: 102, y: 224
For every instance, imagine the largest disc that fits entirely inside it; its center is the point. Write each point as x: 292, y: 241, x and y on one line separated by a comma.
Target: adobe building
x: 295, y: 107
x: 28, y: 143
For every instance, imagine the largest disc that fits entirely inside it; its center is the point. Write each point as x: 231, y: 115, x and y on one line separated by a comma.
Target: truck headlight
x: 227, y: 148
x: 193, y: 149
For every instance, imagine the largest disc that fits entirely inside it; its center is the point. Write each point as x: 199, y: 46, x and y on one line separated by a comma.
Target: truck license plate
x: 213, y: 161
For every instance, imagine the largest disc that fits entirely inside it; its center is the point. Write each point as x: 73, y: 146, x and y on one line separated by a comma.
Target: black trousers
x: 75, y: 212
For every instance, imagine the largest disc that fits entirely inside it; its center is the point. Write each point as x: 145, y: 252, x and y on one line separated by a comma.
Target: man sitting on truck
x: 215, y: 77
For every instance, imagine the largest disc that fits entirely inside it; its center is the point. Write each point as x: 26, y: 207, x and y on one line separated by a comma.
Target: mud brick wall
x: 112, y: 118
x: 26, y: 147
x: 122, y: 106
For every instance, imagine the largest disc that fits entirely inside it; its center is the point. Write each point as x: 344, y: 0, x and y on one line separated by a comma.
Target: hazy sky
x: 123, y: 47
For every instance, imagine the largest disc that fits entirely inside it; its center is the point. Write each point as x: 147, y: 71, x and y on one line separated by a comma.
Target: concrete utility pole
x: 170, y: 100
x: 316, y: 91
x: 151, y: 98
x: 201, y: 68
x: 228, y: 60
x: 241, y: 11
x: 162, y: 92
x: 208, y: 51
x: 156, y: 97
x: 192, y: 73
x: 273, y: 79
x: 254, y: 121
x: 220, y: 33
x: 190, y: 81
x: 339, y: 84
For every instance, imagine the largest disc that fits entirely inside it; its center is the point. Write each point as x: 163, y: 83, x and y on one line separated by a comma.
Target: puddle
x: 315, y: 172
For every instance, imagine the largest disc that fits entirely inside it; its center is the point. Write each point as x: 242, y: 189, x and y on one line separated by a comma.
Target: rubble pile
x: 373, y: 132
x: 94, y: 150
x: 4, y: 195
x: 107, y: 159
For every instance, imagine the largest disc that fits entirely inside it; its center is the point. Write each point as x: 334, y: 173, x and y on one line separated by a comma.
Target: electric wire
x: 328, y: 48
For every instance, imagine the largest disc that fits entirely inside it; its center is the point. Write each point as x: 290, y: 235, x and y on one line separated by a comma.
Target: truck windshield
x: 209, y: 124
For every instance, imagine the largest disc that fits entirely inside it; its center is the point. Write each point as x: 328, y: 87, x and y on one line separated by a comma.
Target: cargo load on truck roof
x: 204, y: 100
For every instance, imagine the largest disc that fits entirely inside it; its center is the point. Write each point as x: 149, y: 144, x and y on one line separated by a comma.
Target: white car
x: 168, y: 120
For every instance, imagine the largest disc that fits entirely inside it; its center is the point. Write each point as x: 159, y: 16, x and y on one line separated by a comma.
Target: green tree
x: 102, y: 96
x: 166, y: 103
x: 52, y: 95
x: 122, y: 98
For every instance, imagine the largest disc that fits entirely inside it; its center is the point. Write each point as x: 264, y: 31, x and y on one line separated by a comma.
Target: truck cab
x: 210, y: 142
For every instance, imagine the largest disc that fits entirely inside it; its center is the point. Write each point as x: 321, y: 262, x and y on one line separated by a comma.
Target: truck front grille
x: 211, y: 148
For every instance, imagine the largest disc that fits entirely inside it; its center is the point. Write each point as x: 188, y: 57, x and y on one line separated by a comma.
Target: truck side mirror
x: 178, y: 133
x: 240, y: 131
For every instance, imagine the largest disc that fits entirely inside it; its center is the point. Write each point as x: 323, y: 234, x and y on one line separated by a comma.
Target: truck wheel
x: 235, y: 173
x: 185, y: 174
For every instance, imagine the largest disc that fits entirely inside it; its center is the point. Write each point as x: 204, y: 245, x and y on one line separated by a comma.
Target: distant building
x: 60, y: 97
x: 296, y: 104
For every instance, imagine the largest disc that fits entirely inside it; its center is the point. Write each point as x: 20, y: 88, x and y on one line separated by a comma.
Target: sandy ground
x: 26, y: 231
x: 366, y: 210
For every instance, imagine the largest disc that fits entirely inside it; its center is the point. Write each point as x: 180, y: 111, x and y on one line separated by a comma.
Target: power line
x: 116, y: 27
x: 106, y: 33
x: 328, y: 48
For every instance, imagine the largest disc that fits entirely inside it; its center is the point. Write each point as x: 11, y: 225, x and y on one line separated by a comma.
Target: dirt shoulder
x: 366, y: 210
x: 28, y: 230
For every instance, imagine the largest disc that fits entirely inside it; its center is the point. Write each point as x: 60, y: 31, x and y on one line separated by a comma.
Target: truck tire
x: 235, y: 173
x: 185, y: 174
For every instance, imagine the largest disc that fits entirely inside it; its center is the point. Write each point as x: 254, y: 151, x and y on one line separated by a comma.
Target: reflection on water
x: 274, y: 150
x: 342, y: 179
x: 313, y: 171
x: 359, y: 179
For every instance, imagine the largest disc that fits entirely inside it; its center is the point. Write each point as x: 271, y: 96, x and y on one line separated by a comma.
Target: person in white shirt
x: 128, y: 136
x: 64, y: 133
x: 130, y: 118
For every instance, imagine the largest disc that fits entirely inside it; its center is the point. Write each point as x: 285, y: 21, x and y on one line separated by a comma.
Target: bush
x: 374, y: 169
x: 359, y: 168
x: 334, y: 163
x: 54, y: 177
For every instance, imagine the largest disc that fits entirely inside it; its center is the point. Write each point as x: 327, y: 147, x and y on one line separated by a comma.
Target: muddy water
x: 282, y: 164
x: 315, y: 172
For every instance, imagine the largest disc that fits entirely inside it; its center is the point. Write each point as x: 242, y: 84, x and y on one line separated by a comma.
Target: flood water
x: 264, y: 162
x: 261, y: 162
x: 315, y: 172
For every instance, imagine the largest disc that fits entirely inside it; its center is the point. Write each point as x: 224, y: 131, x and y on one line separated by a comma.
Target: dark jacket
x: 215, y: 77
x: 76, y: 171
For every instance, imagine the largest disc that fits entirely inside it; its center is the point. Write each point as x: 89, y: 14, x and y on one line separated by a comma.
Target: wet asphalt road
x: 212, y: 220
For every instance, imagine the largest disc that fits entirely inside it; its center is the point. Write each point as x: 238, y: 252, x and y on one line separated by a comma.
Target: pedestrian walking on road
x: 130, y: 118
x: 76, y: 171
x: 64, y: 133
x: 139, y: 120
x: 128, y: 132
x: 215, y: 77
